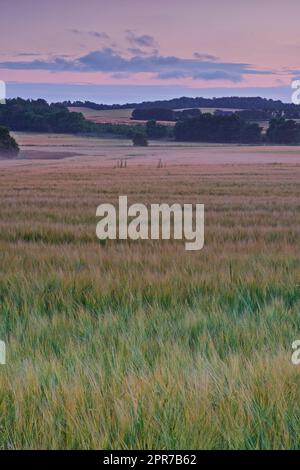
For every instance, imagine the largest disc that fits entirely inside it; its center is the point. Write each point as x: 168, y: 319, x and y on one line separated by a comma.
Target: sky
x: 115, y: 51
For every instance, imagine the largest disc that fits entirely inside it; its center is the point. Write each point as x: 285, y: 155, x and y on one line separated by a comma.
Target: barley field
x: 114, y: 116
x: 141, y: 344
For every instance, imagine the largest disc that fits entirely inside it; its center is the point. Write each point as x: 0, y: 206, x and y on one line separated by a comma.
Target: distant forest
x: 223, y: 129
x: 233, y: 129
x: 162, y: 114
x: 234, y: 102
x: 39, y: 116
x: 191, y: 125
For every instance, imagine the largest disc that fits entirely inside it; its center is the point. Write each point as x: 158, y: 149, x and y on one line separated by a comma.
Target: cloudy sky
x: 132, y: 50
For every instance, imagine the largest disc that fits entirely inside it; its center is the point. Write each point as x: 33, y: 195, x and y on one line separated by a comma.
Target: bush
x: 8, y: 145
x: 140, y: 140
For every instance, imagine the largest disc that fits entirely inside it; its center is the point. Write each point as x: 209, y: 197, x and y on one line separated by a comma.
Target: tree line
x: 8, y: 145
x: 39, y: 116
x: 222, y: 129
x: 233, y: 129
x: 232, y: 102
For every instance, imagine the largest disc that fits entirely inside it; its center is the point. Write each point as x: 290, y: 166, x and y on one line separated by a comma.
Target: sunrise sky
x: 134, y: 50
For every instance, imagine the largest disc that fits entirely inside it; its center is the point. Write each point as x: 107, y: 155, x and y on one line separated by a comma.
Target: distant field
x: 106, y: 151
x: 112, y: 116
x: 123, y: 116
x: 117, y: 116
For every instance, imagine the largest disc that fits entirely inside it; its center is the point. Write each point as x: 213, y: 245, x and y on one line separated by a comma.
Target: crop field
x: 141, y: 344
x: 111, y: 116
x: 114, y: 116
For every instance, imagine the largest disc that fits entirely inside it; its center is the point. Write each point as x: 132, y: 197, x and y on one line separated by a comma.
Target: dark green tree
x: 155, y: 131
x: 283, y: 131
x: 8, y: 145
x: 222, y: 129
